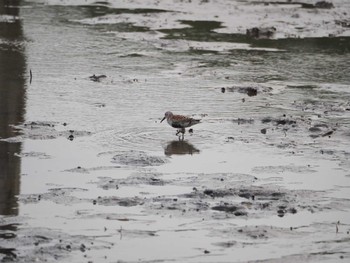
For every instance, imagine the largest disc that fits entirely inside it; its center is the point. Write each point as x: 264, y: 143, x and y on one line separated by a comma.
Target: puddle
x: 88, y: 172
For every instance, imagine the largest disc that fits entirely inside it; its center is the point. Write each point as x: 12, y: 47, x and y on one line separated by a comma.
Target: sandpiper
x: 179, y: 122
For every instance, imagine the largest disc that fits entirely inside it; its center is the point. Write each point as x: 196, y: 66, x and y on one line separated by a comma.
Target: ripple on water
x: 134, y: 138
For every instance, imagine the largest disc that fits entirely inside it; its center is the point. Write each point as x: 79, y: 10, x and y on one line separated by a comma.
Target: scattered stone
x: 329, y: 133
x: 261, y: 32
x: 126, y: 202
x: 324, y: 5
x: 292, y: 210
x: 224, y: 208
x: 343, y: 23
x: 280, y: 213
x: 97, y: 78
x: 283, y: 121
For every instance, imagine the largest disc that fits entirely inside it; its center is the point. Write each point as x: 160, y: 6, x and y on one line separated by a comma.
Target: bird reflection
x: 179, y: 148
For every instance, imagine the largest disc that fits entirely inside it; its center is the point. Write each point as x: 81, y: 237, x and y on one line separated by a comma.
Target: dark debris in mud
x: 97, y: 78
x: 138, y: 158
x: 44, y: 245
x: 57, y: 195
x: 44, y: 130
x: 248, y: 90
x: 275, y: 201
x: 321, y: 130
x: 117, y: 201
x: 137, y: 179
x: 80, y: 169
x: 239, y: 200
x: 261, y: 32
x: 243, y: 198
x: 343, y: 23
x: 318, y: 4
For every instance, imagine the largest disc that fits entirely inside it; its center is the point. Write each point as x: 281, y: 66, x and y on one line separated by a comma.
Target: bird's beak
x: 162, y: 119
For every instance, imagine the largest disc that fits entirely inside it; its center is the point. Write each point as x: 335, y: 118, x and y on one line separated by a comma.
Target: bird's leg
x: 181, y: 138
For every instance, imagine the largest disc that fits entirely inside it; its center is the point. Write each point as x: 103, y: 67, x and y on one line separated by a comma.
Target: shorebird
x: 179, y: 122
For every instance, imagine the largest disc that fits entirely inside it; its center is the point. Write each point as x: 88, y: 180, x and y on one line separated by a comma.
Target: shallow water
x: 88, y: 172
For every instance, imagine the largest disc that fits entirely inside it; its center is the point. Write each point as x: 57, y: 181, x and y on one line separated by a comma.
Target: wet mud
x: 89, y: 174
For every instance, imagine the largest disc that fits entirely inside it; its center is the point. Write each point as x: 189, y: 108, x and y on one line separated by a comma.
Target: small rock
x: 280, y: 213
x: 343, y: 23
x: 97, y: 78
x: 292, y: 210
x: 261, y: 32
x: 324, y: 5
x: 327, y: 134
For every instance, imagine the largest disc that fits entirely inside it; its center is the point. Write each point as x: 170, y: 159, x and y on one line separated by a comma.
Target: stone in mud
x: 241, y: 121
x: 237, y: 211
x: 324, y: 5
x: 261, y: 32
x: 218, y: 192
x: 38, y: 244
x: 112, y: 201
x: 315, y: 129
x: 227, y: 244
x: 281, y: 213
x: 57, y: 195
x: 282, y: 121
x: 250, y: 91
x: 321, y: 130
x: 225, y: 208
x: 43, y: 130
x: 285, y: 121
x: 319, y: 4
x: 292, y: 210
x: 329, y: 133
x: 10, y: 255
x: 97, y: 78
x: 144, y: 179
x: 343, y: 23
x: 245, y: 195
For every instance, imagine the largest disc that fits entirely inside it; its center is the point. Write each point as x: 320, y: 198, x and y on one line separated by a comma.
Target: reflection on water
x: 180, y: 148
x: 12, y: 102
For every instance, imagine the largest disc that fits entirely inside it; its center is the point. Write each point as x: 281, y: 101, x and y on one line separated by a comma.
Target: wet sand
x: 89, y: 174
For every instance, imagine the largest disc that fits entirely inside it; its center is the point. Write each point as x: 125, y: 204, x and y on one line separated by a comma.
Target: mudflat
x: 89, y: 174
